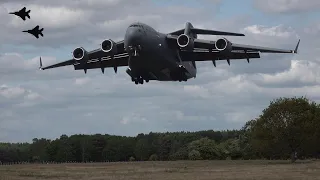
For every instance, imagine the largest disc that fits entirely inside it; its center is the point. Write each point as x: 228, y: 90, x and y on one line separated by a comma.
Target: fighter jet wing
x: 93, y: 57
x: 23, y: 17
x: 35, y: 35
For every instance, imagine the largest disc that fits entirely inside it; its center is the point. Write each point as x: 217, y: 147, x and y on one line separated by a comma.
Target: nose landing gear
x: 134, y: 50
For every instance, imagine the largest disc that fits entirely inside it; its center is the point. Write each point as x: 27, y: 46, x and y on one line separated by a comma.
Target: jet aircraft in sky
x: 35, y: 31
x: 22, y: 13
x: 151, y: 55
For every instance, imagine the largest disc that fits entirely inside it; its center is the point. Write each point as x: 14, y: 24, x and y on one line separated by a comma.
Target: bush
x: 153, y: 157
x: 132, y: 159
x: 194, y: 155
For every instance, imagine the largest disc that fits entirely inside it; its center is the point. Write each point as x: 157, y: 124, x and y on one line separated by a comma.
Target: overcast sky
x: 50, y: 103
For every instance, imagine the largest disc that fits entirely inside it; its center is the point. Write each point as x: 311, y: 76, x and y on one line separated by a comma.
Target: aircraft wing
x: 106, y: 62
x: 198, y: 43
x: 93, y: 61
x: 262, y: 49
x: 212, y: 56
x: 207, y: 44
x: 207, y: 32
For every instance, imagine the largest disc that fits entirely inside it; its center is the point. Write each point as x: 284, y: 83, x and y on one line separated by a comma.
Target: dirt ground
x: 184, y: 170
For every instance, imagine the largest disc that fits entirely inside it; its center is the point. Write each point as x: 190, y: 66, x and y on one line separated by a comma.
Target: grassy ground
x: 184, y: 170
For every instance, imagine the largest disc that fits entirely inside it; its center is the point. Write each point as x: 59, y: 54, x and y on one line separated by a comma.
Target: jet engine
x: 223, y: 45
x: 80, y: 54
x: 185, y: 42
x: 109, y: 46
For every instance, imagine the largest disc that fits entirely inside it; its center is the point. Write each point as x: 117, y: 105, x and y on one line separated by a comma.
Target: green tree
x: 194, y: 155
x: 284, y: 127
x: 231, y: 149
x: 153, y: 157
x: 207, y: 148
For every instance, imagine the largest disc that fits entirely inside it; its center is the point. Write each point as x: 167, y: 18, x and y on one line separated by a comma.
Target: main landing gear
x: 139, y: 80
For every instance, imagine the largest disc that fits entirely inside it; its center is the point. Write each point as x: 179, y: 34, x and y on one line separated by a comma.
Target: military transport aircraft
x: 151, y: 55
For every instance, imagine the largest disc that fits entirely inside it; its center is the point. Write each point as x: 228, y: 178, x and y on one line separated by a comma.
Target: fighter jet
x: 151, y: 55
x: 22, y: 13
x: 35, y: 31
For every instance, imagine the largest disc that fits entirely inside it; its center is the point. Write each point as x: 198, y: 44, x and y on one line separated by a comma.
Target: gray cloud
x: 36, y: 103
x: 288, y: 6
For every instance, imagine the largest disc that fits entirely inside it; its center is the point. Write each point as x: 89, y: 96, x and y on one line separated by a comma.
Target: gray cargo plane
x: 151, y: 55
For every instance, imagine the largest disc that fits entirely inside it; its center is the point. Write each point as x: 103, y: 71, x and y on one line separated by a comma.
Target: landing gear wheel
x: 147, y: 80
x: 136, y: 81
x: 140, y: 80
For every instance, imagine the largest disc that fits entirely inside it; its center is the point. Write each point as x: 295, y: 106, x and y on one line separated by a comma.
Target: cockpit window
x: 135, y: 25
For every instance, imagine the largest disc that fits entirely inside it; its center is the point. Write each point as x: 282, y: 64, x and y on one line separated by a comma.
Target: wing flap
x: 264, y: 49
x: 64, y: 63
x: 207, y: 56
x: 105, y: 63
x: 260, y: 49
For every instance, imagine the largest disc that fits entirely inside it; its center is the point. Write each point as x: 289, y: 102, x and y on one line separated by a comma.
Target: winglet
x: 40, y: 64
x: 296, y: 49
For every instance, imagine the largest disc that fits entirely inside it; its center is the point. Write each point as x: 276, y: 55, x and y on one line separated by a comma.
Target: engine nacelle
x: 185, y: 42
x: 109, y: 46
x: 223, y: 45
x: 80, y: 54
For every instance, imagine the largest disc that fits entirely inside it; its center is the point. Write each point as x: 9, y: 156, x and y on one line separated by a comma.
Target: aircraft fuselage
x: 151, y: 57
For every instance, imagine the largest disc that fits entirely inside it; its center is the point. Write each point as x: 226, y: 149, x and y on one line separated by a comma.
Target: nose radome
x: 133, y: 35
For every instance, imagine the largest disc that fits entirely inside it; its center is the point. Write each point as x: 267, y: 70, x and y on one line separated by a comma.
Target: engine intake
x: 223, y: 44
x: 185, y: 42
x: 109, y: 46
x: 80, y: 54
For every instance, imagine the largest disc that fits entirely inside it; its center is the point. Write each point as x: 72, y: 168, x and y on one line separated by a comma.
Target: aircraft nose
x: 134, y: 36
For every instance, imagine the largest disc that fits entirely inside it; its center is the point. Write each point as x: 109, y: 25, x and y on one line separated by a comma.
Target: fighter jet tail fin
x: 28, y: 14
x: 40, y: 32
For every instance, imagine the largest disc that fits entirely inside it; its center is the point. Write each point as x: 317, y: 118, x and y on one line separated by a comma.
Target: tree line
x: 286, y: 128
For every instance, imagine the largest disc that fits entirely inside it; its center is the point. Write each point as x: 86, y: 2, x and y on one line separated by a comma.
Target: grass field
x: 184, y: 170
